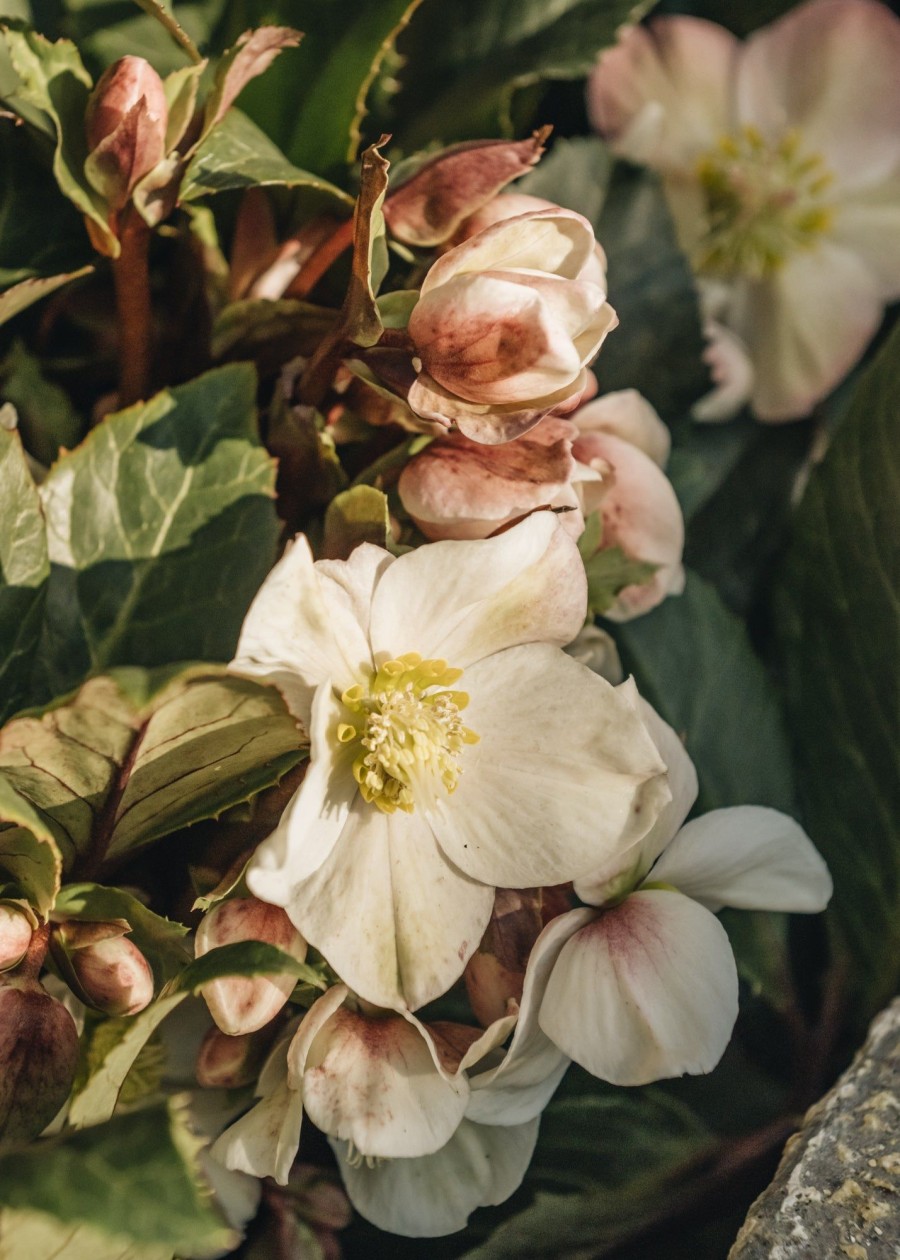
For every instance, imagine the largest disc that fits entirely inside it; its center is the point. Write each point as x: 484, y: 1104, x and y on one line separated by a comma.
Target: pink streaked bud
x: 225, y: 1062
x: 496, y: 971
x: 15, y: 936
x: 114, y: 975
x: 242, y: 1004
x: 126, y: 128
x: 38, y: 1058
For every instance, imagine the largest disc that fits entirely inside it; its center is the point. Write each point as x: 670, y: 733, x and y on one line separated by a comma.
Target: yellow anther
x: 346, y: 733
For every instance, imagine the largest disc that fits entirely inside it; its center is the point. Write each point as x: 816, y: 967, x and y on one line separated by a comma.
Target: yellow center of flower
x: 763, y: 202
x: 405, y: 724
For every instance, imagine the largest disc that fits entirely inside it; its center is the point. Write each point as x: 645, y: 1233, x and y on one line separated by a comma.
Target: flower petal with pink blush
x: 492, y: 424
x: 457, y: 488
x: 315, y: 815
x: 641, y: 514
x: 643, y: 991
x: 625, y: 871
x: 867, y: 222
x: 626, y: 414
x: 296, y: 634
x: 555, y: 241
x: 748, y: 857
x: 392, y: 915
x: 377, y: 1081
x: 519, y: 698
x: 436, y: 1194
x: 662, y: 95
x: 525, y: 585
x: 805, y: 326
x: 732, y: 375
x: 831, y: 69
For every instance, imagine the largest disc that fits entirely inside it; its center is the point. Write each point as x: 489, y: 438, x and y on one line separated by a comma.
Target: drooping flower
x: 420, y: 797
x: 643, y: 984
x: 507, y: 323
x: 781, y: 160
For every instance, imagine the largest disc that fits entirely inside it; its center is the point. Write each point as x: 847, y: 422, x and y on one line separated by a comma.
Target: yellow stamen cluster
x: 406, y: 724
x: 763, y: 202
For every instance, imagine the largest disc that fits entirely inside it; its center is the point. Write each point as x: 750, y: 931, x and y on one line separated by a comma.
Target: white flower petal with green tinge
x: 462, y: 601
x: 748, y: 857
x: 390, y: 913
x: 264, y: 1142
x: 436, y: 1194
x: 550, y: 241
x: 643, y: 991
x: 867, y: 222
x: 564, y: 775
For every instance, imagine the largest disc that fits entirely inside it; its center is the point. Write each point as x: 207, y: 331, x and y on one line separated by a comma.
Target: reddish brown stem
x: 30, y: 966
x: 131, y: 274
x: 318, y: 262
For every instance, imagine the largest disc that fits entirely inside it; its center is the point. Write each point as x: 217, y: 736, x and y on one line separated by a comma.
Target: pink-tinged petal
x: 480, y: 421
x: 462, y: 601
x: 644, y: 991
x: 457, y: 488
x: 626, y: 414
x: 563, y: 777
x: 264, y: 1141
x: 556, y: 242
x: 436, y: 1194
x: 830, y: 69
x: 315, y: 815
x: 394, y: 918
x: 732, y: 375
x: 377, y: 1081
x: 662, y: 95
x: 805, y: 326
x: 296, y: 635
x: 625, y: 871
x: 867, y: 223
x: 749, y: 857
x: 641, y: 515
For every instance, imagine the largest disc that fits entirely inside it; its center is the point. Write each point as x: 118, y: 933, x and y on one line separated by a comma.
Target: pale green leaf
x: 355, y: 516
x: 20, y: 296
x: 610, y: 571
x: 30, y: 859
x: 24, y: 568
x: 34, y: 1236
x: 161, y: 941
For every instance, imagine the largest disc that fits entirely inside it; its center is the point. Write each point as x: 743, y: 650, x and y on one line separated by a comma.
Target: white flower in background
x: 506, y: 324
x: 643, y: 984
x: 422, y: 797
x: 781, y: 160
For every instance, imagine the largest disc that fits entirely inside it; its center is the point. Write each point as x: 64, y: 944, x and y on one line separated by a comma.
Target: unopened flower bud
x: 114, y: 975
x: 496, y: 971
x: 242, y: 1004
x: 15, y: 936
x: 38, y: 1058
x: 126, y: 128
x: 226, y: 1062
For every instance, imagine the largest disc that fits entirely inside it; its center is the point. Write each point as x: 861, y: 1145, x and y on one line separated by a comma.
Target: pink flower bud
x: 242, y: 1004
x: 626, y: 414
x: 496, y: 971
x: 115, y: 975
x: 15, y: 936
x: 126, y: 128
x: 225, y: 1062
x: 507, y: 323
x: 38, y: 1058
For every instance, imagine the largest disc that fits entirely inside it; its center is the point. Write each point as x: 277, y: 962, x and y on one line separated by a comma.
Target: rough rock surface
x: 836, y: 1194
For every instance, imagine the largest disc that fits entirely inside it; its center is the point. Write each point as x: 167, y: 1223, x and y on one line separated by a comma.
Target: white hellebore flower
x: 507, y: 323
x: 421, y: 797
x: 644, y: 984
x: 781, y: 161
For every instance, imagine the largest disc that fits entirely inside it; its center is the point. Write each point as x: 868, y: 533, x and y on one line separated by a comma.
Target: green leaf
x: 693, y: 661
x: 30, y: 1235
x: 161, y: 528
x: 236, y: 155
x: 463, y: 74
x: 609, y: 571
x: 47, y: 418
x: 160, y: 940
x: 356, y: 516
x: 108, y: 773
x: 168, y: 23
x: 270, y: 332
x: 24, y: 569
x: 839, y: 619
x: 20, y: 296
x: 137, y: 1177
x: 53, y: 79
x: 29, y: 855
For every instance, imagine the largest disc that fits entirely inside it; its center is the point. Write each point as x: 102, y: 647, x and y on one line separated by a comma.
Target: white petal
x: 296, y: 635
x: 626, y: 414
x: 396, y: 919
x: 487, y: 423
x: 264, y: 1142
x: 868, y: 224
x: 377, y: 1082
x: 461, y: 601
x: 662, y: 95
x: 731, y: 372
x: 315, y: 815
x: 831, y: 69
x: 436, y: 1194
x: 645, y: 991
x: 626, y: 870
x: 563, y: 777
x: 748, y: 857
x: 805, y: 326
x: 559, y: 242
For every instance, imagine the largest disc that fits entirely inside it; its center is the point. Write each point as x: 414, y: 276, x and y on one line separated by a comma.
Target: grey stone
x: 836, y: 1194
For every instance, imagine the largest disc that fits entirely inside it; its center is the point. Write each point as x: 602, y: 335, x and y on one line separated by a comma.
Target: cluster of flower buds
x: 103, y: 968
